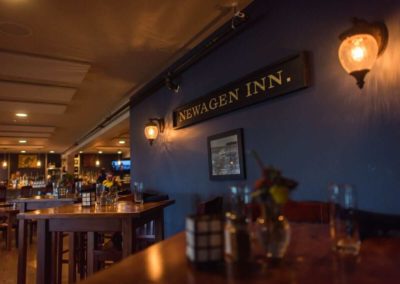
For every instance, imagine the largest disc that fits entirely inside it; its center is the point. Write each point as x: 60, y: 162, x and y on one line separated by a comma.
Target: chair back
x: 26, y: 191
x: 306, y: 211
x: 378, y: 225
x: 3, y: 193
x: 211, y: 207
x: 128, y: 197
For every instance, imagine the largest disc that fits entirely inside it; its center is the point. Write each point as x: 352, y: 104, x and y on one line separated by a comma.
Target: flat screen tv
x: 125, y: 164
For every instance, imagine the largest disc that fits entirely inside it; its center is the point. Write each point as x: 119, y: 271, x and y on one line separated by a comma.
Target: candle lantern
x: 88, y: 198
x: 204, y: 239
x: 62, y: 192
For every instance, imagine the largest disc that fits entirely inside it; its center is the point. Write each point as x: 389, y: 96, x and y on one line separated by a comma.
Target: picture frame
x: 225, y: 155
x: 27, y: 161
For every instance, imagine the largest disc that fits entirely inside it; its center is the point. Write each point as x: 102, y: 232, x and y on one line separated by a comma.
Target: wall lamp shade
x: 153, y: 128
x: 360, y: 47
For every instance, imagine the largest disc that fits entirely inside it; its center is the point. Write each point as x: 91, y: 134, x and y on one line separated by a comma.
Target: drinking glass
x: 138, y: 192
x: 343, y: 221
x: 99, y: 191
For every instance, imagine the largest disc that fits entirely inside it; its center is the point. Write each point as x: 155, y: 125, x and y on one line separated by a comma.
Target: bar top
x: 309, y: 260
x: 120, y: 209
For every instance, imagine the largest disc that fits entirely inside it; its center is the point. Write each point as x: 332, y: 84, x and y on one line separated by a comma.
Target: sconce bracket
x: 377, y: 29
x: 360, y: 75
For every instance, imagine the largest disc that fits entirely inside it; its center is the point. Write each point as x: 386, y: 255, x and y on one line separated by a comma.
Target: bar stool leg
x: 71, y: 258
x: 90, y: 251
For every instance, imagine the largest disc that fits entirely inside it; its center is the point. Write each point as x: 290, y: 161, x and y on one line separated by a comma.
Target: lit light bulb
x: 358, y: 53
x: 97, y: 163
x: 39, y: 164
x: 4, y: 164
x: 119, y: 162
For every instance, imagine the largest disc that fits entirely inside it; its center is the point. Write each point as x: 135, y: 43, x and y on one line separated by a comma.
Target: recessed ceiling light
x: 23, y: 151
x: 121, y: 142
x: 21, y: 114
x: 51, y: 152
x: 100, y: 152
x: 22, y: 141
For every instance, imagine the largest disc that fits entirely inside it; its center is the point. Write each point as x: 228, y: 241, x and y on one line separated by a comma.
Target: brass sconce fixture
x: 360, y: 47
x: 153, y: 128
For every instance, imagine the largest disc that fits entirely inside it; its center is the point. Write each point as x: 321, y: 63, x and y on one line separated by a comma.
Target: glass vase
x: 273, y: 235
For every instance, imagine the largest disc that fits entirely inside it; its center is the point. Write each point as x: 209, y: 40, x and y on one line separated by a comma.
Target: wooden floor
x: 9, y: 259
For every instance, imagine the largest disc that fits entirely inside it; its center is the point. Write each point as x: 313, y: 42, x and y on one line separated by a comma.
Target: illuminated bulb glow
x: 39, y: 164
x: 21, y: 114
x: 23, y: 151
x: 51, y: 152
x: 4, y: 164
x: 100, y: 152
x: 151, y: 132
x: 119, y: 162
x: 22, y: 141
x: 121, y: 142
x: 358, y: 52
x: 119, y: 152
x: 97, y: 163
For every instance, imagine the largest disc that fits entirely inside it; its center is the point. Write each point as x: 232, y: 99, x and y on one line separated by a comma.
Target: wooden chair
x: 306, y: 211
x: 211, y: 207
x: 3, y: 193
x: 26, y: 191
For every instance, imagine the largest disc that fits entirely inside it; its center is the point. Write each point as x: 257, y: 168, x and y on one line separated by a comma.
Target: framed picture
x: 27, y: 161
x: 225, y: 155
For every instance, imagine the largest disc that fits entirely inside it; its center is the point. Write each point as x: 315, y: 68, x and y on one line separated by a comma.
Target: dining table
x: 309, y: 259
x: 123, y: 216
x: 41, y: 201
x: 10, y: 213
x: 26, y: 204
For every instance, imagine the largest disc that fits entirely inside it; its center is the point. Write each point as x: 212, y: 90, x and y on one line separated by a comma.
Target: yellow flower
x: 279, y: 193
x: 108, y: 183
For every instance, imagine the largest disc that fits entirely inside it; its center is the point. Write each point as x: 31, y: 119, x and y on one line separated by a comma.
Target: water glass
x: 138, y: 192
x: 343, y: 222
x: 99, y: 191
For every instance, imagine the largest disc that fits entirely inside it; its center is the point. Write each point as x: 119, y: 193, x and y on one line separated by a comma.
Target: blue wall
x: 330, y: 132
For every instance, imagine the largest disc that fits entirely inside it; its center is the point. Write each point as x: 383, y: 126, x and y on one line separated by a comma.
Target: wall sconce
x: 39, y: 162
x: 153, y: 127
x: 360, y: 47
x: 4, y: 163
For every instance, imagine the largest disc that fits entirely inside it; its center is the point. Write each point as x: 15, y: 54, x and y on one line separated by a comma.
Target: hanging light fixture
x: 153, y: 128
x: 360, y: 47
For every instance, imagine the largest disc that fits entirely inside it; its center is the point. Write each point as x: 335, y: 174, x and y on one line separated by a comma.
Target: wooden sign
x: 275, y: 80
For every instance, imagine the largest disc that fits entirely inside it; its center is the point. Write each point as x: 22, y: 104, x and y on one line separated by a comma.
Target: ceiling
x: 70, y: 64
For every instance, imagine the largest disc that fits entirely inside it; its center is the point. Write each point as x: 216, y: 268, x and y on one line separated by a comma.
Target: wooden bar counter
x: 122, y: 217
x: 309, y: 260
